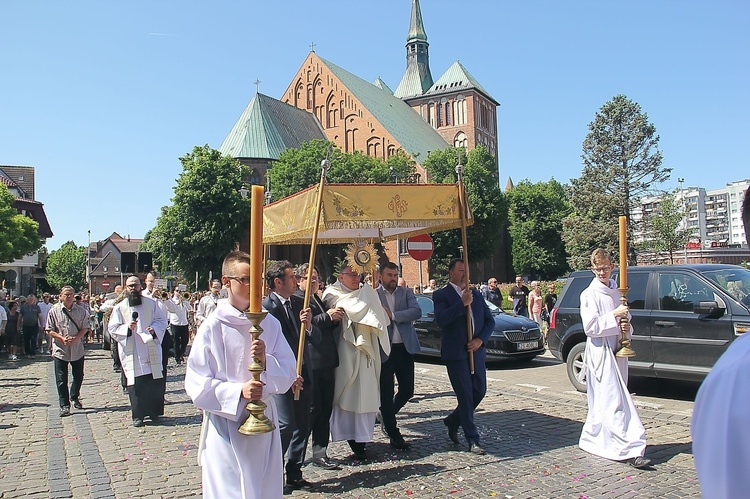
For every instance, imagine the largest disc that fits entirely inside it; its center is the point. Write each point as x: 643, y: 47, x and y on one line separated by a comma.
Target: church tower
x: 417, y: 77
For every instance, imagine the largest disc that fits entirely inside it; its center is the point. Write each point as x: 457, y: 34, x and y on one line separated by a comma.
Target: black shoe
x: 64, y: 411
x: 639, y: 462
x: 452, y: 432
x: 325, y: 463
x: 138, y: 422
x: 77, y: 404
x: 155, y: 419
x: 399, y: 443
x: 299, y: 484
x: 288, y: 489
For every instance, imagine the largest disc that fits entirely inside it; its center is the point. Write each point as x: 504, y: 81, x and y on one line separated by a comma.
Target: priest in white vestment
x: 721, y: 438
x: 612, y: 429
x: 217, y: 380
x: 360, y: 336
x: 137, y: 325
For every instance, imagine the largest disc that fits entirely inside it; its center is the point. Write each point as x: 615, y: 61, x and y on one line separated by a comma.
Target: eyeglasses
x: 597, y: 270
x: 244, y: 280
x: 350, y: 274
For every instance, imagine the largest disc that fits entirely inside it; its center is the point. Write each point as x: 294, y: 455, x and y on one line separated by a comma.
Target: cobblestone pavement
x: 530, y: 438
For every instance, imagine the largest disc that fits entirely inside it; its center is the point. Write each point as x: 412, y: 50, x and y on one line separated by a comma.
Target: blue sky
x: 103, y: 97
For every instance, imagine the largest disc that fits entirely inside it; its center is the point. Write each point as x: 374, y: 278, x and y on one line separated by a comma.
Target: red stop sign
x: 105, y: 284
x: 420, y: 247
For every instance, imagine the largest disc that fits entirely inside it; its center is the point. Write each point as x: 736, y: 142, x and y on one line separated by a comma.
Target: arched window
x: 256, y: 178
x: 447, y: 106
x: 439, y: 116
x: 461, y: 140
x: 460, y: 110
x: 431, y: 114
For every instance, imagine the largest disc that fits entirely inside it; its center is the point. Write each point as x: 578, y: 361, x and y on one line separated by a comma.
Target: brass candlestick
x: 257, y: 422
x: 625, y: 351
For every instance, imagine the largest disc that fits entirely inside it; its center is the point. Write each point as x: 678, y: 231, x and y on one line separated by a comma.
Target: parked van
x: 684, y: 317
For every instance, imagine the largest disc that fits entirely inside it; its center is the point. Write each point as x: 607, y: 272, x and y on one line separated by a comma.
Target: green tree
x: 488, y: 205
x: 206, y: 217
x: 67, y: 267
x: 19, y: 235
x: 299, y: 168
x: 622, y: 163
x: 536, y: 213
x: 663, y: 230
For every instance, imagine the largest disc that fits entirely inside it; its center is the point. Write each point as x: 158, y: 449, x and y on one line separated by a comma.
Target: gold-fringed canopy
x: 363, y: 211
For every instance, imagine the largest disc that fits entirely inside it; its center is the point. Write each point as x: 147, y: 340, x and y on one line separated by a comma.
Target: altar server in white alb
x: 137, y: 325
x: 613, y: 429
x: 217, y: 380
x: 721, y: 435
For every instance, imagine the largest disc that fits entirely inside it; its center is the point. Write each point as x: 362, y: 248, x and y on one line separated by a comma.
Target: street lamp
x: 394, y: 174
x: 244, y: 191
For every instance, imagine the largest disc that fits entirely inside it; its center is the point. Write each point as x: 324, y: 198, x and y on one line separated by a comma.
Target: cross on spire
x: 257, y: 86
x: 312, y: 47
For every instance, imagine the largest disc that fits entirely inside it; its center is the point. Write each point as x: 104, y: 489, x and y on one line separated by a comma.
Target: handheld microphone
x: 135, y: 315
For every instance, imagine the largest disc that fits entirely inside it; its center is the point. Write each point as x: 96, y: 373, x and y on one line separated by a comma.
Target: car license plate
x: 529, y: 345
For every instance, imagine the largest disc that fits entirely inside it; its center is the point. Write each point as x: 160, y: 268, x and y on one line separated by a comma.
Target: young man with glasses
x: 218, y: 382
x: 612, y: 429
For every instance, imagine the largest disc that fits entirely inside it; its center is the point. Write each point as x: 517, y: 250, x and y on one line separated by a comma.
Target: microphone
x: 135, y: 315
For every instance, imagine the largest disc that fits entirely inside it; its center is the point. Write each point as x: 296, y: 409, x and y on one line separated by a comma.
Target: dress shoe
x: 299, y: 484
x: 64, y: 411
x: 77, y: 404
x: 325, y: 463
x: 475, y: 449
x: 452, y: 432
x: 138, y: 422
x: 155, y: 419
x: 639, y: 462
x: 399, y: 443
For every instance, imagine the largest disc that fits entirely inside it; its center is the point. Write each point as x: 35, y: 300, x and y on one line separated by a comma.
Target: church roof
x: 382, y: 85
x: 407, y: 127
x: 456, y: 78
x: 267, y: 127
x: 415, y: 82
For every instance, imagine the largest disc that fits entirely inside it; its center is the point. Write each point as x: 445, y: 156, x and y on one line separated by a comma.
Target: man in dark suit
x: 402, y: 308
x: 451, y: 304
x: 294, y: 415
x: 324, y: 358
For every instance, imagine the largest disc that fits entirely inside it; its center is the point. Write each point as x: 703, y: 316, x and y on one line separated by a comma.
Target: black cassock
x: 147, y: 396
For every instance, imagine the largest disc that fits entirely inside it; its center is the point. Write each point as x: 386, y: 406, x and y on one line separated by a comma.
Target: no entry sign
x: 420, y: 247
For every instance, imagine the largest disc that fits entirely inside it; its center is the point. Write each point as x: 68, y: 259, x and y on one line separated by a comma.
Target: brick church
x: 324, y: 101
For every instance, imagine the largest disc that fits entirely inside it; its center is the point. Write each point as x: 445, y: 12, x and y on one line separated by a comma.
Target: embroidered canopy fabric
x: 363, y: 211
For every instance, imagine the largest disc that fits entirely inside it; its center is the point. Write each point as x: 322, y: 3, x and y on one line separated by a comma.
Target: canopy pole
x: 462, y: 213
x: 324, y: 165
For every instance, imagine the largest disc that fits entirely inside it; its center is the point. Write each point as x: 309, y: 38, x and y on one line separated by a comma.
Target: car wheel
x: 575, y: 367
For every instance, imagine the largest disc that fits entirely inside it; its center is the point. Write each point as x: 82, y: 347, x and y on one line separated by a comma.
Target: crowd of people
x: 357, y: 367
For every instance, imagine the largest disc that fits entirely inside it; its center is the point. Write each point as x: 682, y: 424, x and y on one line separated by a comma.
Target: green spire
x: 416, y: 27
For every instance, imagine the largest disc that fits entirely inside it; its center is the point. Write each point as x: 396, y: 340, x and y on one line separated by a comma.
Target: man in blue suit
x: 451, y: 303
x: 402, y: 309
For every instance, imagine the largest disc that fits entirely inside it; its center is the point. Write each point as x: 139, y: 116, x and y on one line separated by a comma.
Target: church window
x: 460, y: 110
x: 391, y: 150
x: 431, y: 114
x: 309, y: 97
x: 461, y: 140
x: 447, y: 106
x: 373, y: 147
x: 439, y: 115
x: 255, y: 177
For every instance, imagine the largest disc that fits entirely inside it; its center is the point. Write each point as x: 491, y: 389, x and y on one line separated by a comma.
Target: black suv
x: 684, y: 317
